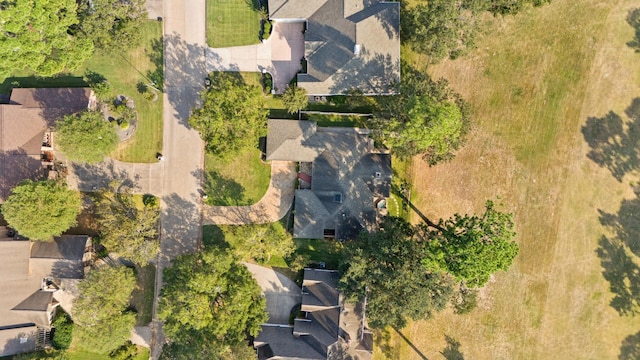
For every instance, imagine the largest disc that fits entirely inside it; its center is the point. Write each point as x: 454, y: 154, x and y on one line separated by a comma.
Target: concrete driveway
x: 142, y: 178
x: 280, y: 55
x: 281, y: 293
x: 272, y: 207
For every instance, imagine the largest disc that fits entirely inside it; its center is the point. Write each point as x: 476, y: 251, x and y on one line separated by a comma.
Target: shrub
x: 124, y: 124
x: 267, y: 83
x: 63, y: 331
x: 128, y: 351
x: 266, y: 29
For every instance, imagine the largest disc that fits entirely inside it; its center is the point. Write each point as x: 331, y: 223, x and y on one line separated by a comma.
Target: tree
x: 295, y: 99
x: 126, y: 229
x: 41, y: 210
x: 34, y: 35
x: 112, y: 24
x: 386, y: 266
x: 98, y: 83
x: 86, y: 137
x: 209, y: 295
x: 471, y: 247
x: 439, y: 28
x: 232, y: 116
x: 100, y: 312
x: 260, y: 242
x: 427, y: 117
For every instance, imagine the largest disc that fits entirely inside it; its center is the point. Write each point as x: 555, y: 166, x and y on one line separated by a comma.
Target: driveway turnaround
x: 272, y: 207
x: 280, y: 55
x: 281, y: 293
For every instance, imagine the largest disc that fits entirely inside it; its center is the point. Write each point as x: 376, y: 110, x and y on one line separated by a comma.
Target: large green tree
x: 86, y: 137
x: 41, y: 210
x: 112, y: 24
x: 210, y: 295
x: 127, y: 228
x: 295, y: 99
x: 386, y: 266
x: 260, y: 242
x: 232, y: 116
x: 471, y: 247
x: 100, y: 311
x: 426, y: 117
x: 34, y: 35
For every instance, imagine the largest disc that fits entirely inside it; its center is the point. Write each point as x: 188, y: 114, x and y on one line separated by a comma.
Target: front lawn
x: 232, y: 23
x: 241, y: 181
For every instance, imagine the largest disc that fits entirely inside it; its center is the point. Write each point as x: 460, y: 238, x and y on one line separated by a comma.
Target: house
x: 343, y: 180
x: 326, y: 328
x: 349, y: 44
x: 26, y: 139
x: 36, y: 278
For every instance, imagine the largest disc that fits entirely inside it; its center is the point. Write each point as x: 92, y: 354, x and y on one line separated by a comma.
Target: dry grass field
x: 533, y: 82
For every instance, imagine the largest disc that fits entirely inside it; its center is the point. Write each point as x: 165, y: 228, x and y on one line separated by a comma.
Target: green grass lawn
x: 232, y: 23
x: 532, y: 83
x: 327, y: 251
x: 123, y: 71
x: 143, y: 354
x: 241, y: 181
x: 142, y: 296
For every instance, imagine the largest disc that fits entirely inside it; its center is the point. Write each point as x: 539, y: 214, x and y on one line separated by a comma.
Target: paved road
x: 184, y: 71
x: 281, y: 293
x: 272, y: 207
x: 280, y: 55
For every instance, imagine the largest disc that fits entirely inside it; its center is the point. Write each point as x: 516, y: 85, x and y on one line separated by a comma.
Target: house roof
x: 279, y: 342
x: 348, y: 176
x: 23, y: 267
x: 349, y: 44
x: 23, y: 123
x: 17, y: 340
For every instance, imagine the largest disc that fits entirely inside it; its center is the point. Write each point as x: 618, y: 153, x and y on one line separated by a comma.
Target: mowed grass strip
x: 532, y: 82
x: 232, y: 23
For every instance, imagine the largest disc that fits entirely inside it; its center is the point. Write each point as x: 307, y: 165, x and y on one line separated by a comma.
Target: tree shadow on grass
x: 418, y: 352
x: 223, y: 191
x: 614, y: 144
x: 633, y: 19
x: 452, y: 350
x: 156, y: 57
x: 630, y: 348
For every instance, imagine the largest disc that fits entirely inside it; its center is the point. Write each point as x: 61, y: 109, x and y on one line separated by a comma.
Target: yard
x: 232, y: 22
x: 142, y: 296
x: 533, y: 82
x: 241, y: 181
x: 123, y: 71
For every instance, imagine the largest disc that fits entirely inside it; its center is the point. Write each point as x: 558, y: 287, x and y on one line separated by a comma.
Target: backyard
x: 536, y: 82
x: 123, y: 71
x: 232, y: 22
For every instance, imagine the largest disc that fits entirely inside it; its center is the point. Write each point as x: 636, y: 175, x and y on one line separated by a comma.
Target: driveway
x: 281, y: 293
x: 142, y: 178
x: 272, y: 207
x: 280, y: 55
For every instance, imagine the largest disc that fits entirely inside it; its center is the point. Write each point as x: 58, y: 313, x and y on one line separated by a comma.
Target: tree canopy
x: 386, y: 266
x: 86, y: 137
x: 260, y: 242
x: 126, y: 228
x: 209, y: 295
x: 34, y: 35
x: 112, y: 24
x: 295, y: 99
x: 232, y: 116
x: 426, y: 117
x: 100, y: 312
x: 471, y: 247
x: 41, y: 210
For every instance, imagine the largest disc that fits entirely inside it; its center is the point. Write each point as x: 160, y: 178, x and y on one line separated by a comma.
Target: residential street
x: 184, y: 71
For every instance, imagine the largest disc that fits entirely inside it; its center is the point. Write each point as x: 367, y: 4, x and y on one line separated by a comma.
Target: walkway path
x: 272, y: 207
x: 280, y: 55
x: 281, y: 293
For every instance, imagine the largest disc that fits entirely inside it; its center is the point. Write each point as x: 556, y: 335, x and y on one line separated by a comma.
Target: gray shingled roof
x: 18, y: 340
x: 67, y: 247
x: 279, y: 341
x: 335, y: 29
